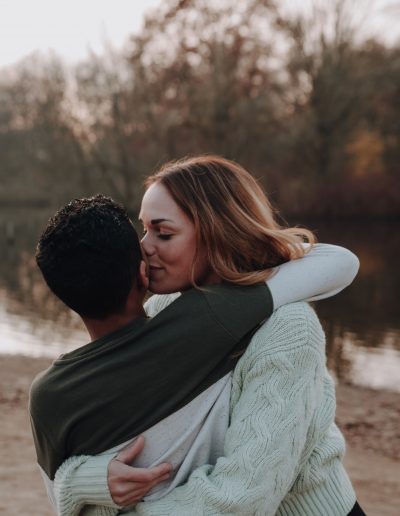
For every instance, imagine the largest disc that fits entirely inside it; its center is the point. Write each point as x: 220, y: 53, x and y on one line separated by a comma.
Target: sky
x: 71, y: 27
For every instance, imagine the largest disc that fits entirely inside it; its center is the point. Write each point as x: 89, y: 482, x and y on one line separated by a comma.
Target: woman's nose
x: 147, y: 246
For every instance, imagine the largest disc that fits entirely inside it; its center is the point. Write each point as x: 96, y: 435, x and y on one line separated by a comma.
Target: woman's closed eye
x: 162, y: 236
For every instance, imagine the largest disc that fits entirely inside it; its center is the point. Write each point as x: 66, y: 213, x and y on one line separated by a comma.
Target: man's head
x: 90, y: 256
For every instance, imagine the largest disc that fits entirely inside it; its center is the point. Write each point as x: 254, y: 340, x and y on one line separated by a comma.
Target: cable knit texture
x: 282, y: 451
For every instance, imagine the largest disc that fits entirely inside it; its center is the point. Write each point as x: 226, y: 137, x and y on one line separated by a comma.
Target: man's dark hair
x: 89, y: 255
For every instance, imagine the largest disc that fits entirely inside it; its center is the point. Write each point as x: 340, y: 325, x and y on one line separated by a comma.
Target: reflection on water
x: 19, y: 335
x: 362, y: 324
x: 32, y: 321
x: 373, y: 367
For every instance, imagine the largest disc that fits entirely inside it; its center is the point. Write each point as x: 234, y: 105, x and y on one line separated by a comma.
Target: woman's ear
x: 143, y: 275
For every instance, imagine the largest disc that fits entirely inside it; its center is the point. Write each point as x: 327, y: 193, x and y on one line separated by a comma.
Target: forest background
x: 304, y: 101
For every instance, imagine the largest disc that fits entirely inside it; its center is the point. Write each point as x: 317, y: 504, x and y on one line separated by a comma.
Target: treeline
x: 309, y: 107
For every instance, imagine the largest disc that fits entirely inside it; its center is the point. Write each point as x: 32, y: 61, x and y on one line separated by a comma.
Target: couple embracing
x: 213, y: 397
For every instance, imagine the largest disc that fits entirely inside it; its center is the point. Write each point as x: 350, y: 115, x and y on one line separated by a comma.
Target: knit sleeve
x: 322, y: 272
x: 80, y: 487
x: 277, y: 386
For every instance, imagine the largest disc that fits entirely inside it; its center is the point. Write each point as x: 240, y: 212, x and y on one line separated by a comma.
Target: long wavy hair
x: 232, y: 216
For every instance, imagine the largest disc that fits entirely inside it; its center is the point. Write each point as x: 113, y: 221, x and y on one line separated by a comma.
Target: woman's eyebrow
x: 158, y: 221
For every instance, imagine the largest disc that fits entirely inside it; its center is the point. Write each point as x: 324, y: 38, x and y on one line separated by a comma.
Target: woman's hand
x: 129, y: 485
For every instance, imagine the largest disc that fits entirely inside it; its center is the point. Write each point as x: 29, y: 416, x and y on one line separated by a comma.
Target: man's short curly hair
x: 89, y: 255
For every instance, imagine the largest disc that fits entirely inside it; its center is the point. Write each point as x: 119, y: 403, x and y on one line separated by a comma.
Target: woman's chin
x: 158, y: 287
x: 155, y: 287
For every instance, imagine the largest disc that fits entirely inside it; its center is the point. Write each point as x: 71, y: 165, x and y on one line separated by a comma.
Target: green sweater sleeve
x: 80, y: 487
x: 273, y: 401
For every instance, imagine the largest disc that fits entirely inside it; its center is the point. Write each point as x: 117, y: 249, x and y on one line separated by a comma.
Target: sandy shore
x: 369, y: 419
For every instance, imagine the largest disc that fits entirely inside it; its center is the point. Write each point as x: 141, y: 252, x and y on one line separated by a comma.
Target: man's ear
x: 143, y: 275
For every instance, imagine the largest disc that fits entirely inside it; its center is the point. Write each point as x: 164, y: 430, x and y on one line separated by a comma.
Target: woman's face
x: 169, y: 243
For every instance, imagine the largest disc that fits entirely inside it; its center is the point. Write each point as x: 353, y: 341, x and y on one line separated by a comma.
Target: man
x: 135, y: 372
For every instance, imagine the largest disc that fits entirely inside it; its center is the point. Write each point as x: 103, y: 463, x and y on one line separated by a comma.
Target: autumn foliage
x: 308, y: 107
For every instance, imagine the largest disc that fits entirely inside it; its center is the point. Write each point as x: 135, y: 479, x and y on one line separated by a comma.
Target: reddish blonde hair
x: 232, y: 217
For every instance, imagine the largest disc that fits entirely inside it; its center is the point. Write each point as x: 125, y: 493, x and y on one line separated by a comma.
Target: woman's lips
x: 153, y: 272
x: 153, y: 268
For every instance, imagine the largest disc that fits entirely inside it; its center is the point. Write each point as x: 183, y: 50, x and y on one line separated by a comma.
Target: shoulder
x: 158, y: 302
x: 39, y: 383
x: 40, y: 393
x: 293, y: 316
x: 290, y: 327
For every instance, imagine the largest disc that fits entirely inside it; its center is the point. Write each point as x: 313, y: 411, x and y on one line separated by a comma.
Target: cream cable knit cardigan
x: 282, y: 452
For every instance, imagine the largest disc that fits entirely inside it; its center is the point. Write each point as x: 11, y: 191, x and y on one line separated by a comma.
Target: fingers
x: 129, y: 454
x: 148, y: 474
x: 119, y: 472
x: 128, y: 485
x: 133, y: 492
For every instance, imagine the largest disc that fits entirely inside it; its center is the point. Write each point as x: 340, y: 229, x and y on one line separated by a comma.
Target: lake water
x: 362, y: 324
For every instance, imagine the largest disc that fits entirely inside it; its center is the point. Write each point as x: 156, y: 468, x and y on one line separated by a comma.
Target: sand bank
x: 369, y: 419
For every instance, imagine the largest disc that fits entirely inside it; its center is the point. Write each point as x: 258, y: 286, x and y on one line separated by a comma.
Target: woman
x: 206, y: 220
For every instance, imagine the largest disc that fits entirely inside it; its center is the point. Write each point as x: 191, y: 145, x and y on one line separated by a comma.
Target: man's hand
x: 128, y: 485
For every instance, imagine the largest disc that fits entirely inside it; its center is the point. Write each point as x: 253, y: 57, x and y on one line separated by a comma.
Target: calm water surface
x: 362, y: 324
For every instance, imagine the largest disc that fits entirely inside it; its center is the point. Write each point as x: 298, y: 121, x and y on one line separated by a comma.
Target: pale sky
x: 71, y: 27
